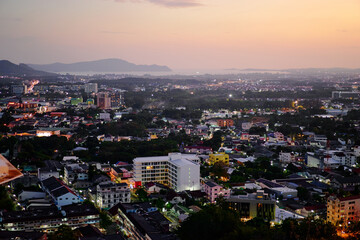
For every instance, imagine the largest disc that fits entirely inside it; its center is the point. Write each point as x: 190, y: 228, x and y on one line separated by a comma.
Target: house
x: 46, y: 172
x: 214, y: 190
x: 75, y: 172
x: 26, y: 195
x: 61, y: 194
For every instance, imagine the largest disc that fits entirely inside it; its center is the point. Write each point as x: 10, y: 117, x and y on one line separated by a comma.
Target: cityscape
x: 150, y: 128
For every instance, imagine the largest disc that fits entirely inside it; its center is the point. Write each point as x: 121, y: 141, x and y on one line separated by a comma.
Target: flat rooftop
x: 9, y: 172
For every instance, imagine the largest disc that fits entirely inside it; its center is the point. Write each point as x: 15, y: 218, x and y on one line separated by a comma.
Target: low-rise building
x: 46, y: 172
x: 26, y: 195
x: 285, y: 157
x: 75, y: 172
x: 214, y: 190
x: 61, y: 194
x: 142, y: 221
x: 109, y: 194
x: 49, y: 219
x: 253, y: 205
x: 219, y: 157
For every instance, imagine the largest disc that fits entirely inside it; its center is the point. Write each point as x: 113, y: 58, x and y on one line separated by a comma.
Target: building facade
x: 103, y: 100
x: 178, y: 171
x: 214, y: 190
x: 219, y: 157
x: 343, y: 210
x: 109, y: 194
x: 253, y: 205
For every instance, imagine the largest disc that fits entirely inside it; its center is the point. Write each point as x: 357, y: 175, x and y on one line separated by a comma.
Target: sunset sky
x: 184, y: 34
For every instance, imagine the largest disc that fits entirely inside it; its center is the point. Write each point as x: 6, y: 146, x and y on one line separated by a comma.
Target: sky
x: 184, y: 34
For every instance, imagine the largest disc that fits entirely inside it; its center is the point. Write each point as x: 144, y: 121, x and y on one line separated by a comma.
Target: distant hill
x: 9, y: 68
x: 104, y: 65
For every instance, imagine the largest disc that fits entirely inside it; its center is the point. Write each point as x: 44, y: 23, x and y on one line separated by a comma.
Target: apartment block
x: 253, y: 205
x: 214, y: 190
x: 178, y: 171
x: 49, y: 219
x: 343, y: 210
x: 109, y: 194
x: 218, y: 157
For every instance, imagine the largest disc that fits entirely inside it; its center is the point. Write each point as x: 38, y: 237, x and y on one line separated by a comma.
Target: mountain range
x: 9, y: 68
x: 102, y: 66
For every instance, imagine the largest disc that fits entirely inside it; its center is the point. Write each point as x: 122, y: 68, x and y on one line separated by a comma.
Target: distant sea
x: 187, y: 72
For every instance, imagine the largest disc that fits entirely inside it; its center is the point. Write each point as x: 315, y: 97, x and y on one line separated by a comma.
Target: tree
x: 219, y: 170
x: 210, y: 223
x: 141, y: 194
x: 64, y: 232
x: 105, y: 220
x: 5, y: 201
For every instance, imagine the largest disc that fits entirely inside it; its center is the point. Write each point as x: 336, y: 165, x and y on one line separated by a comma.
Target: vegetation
x: 215, y: 222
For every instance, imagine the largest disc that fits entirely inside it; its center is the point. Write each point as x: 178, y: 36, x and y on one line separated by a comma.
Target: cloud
x: 169, y: 3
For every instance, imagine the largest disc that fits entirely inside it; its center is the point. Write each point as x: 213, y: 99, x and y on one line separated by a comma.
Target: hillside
x: 104, y: 65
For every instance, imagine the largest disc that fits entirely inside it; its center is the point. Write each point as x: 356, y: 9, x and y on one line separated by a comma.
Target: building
x: 117, y: 99
x: 7, y: 171
x: 104, y: 116
x: 219, y: 157
x: 26, y: 195
x: 142, y: 221
x: 214, y: 190
x: 19, y: 89
x: 253, y: 205
x: 61, y: 194
x: 225, y: 122
x: 279, y: 136
x: 198, y: 149
x: 76, y: 172
x: 91, y: 87
x: 109, y: 194
x: 178, y: 171
x: 76, y: 101
x: 46, y: 172
x: 49, y: 219
x: 345, y: 94
x: 343, y: 210
x: 103, y: 100
x: 285, y: 157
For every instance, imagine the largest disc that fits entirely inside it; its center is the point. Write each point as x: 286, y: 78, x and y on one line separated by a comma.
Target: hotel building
x: 178, y: 171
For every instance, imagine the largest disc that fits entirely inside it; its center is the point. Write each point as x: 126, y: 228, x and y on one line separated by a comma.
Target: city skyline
x: 184, y: 34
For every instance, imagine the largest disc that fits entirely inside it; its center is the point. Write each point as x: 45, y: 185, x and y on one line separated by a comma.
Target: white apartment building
x: 178, y: 171
x: 285, y: 157
x: 91, y: 88
x: 109, y: 194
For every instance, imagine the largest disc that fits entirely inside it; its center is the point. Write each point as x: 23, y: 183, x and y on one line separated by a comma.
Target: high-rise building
x: 91, y: 87
x: 117, y: 99
x: 178, y: 171
x: 103, y: 100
